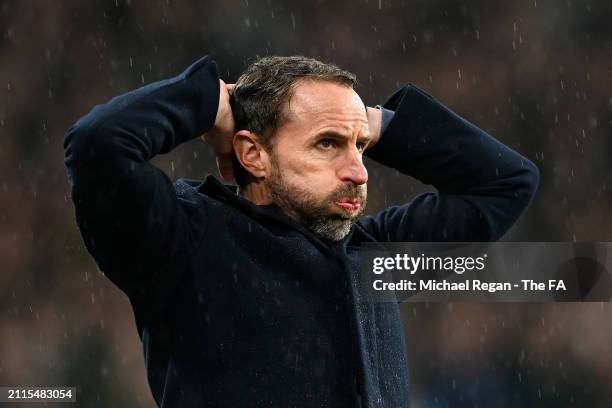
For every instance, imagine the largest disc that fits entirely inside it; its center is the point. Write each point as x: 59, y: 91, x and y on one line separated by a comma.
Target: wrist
x: 374, y: 125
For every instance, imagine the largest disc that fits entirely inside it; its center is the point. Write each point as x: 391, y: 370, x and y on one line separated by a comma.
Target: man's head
x: 301, y: 132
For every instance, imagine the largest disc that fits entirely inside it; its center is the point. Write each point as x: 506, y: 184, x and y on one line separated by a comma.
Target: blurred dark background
x: 536, y: 74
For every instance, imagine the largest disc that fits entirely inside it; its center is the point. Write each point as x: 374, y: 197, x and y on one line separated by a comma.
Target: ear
x: 251, y: 154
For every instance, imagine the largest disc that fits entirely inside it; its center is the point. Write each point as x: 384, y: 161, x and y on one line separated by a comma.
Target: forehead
x: 324, y: 103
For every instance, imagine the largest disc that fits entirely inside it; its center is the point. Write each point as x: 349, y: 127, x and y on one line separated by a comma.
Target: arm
x: 127, y: 210
x: 482, y: 185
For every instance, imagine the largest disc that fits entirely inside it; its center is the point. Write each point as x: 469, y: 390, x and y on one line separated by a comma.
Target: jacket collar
x: 227, y: 193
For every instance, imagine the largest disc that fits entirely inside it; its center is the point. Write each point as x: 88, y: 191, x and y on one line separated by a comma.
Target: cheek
x: 314, y: 176
x: 315, y: 184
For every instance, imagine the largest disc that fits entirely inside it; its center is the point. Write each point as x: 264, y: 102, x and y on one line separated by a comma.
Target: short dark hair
x: 262, y: 91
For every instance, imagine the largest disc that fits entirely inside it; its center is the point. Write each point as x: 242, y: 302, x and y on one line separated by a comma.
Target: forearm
x: 483, y: 186
x: 150, y: 120
x: 426, y: 140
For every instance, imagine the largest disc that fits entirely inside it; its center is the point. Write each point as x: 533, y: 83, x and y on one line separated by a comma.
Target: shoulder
x: 196, y: 199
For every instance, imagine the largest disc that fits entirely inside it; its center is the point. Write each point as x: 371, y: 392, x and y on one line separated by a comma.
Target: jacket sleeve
x: 482, y: 185
x: 131, y: 220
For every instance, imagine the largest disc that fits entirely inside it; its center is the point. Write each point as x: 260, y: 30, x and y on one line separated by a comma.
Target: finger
x: 230, y: 86
x: 221, y: 170
x: 226, y: 167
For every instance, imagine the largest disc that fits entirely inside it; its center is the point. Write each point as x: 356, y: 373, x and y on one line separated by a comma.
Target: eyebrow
x: 336, y: 135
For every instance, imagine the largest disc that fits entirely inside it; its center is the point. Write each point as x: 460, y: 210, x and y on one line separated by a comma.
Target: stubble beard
x: 315, y: 214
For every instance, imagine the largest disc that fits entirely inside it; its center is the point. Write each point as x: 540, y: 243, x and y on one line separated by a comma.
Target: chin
x: 334, y: 228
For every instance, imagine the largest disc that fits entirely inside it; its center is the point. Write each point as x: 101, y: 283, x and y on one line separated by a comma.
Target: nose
x: 353, y: 170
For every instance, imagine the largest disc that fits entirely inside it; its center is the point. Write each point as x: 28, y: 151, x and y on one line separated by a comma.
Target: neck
x: 256, y: 192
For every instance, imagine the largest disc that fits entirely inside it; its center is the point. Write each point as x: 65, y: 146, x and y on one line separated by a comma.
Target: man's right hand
x: 221, y: 135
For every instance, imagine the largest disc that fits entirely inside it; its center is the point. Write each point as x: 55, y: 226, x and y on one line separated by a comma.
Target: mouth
x: 349, y: 204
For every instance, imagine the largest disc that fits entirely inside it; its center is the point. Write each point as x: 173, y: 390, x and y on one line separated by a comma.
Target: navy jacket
x: 238, y: 305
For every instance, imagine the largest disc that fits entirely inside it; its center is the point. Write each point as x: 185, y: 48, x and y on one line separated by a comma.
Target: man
x: 250, y: 297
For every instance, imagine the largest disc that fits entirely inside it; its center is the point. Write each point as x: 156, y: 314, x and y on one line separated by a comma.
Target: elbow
x: 525, y: 186
x: 531, y: 175
x: 78, y: 147
x: 83, y: 143
x: 75, y: 144
x: 74, y: 140
x: 84, y: 148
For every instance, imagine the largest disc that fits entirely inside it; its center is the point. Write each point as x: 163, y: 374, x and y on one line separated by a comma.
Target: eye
x: 326, y: 143
x: 361, y: 146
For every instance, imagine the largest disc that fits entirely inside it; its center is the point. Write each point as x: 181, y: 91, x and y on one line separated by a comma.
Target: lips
x: 348, y: 203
